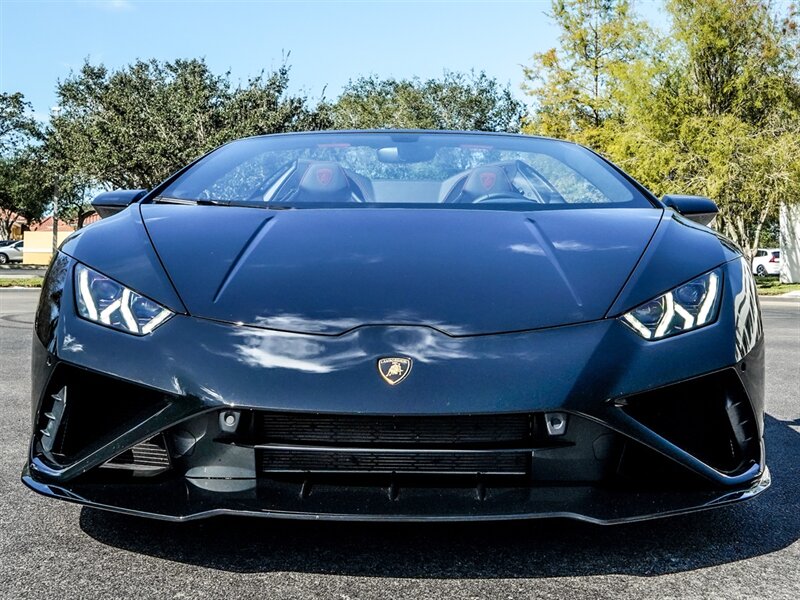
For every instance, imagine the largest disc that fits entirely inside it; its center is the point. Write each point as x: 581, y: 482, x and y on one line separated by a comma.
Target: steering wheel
x: 512, y: 196
x: 356, y: 192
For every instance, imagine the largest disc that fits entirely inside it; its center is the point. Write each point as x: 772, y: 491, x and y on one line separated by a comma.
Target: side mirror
x: 110, y: 203
x: 697, y: 208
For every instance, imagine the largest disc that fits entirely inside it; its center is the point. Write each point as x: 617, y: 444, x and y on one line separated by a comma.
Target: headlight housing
x: 689, y: 306
x: 102, y: 300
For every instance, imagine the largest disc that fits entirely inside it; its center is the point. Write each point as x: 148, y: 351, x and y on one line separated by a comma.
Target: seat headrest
x: 486, y: 180
x: 325, y: 181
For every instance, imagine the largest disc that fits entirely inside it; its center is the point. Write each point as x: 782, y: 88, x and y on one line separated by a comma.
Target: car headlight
x: 687, y: 307
x: 104, y: 301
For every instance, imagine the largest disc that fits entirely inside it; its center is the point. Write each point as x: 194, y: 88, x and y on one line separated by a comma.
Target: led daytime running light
x: 676, y: 318
x: 103, y: 300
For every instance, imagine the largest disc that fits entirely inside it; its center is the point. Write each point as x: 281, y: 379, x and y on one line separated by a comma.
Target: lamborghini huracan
x: 399, y: 325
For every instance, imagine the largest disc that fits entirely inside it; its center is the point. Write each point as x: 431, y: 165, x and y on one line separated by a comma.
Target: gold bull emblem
x: 394, y: 370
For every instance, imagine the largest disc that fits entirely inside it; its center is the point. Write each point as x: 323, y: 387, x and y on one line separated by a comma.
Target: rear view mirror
x: 406, y: 153
x: 109, y: 203
x: 697, y: 208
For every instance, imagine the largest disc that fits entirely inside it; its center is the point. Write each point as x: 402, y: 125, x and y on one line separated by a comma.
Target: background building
x: 790, y: 243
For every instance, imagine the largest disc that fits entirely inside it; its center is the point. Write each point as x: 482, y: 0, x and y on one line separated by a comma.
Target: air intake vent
x: 709, y: 417
x: 148, y: 458
x: 83, y: 411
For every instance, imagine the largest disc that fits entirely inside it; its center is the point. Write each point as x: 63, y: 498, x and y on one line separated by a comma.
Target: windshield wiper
x: 207, y: 202
x: 198, y: 202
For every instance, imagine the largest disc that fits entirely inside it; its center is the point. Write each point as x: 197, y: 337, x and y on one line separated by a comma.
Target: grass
x: 772, y: 286
x: 28, y: 282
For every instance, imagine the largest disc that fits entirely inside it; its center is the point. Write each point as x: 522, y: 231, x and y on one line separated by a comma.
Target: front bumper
x: 654, y: 428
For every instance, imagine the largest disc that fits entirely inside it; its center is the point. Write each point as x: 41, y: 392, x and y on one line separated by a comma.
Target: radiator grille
x: 459, y: 444
x: 398, y: 431
x: 295, y: 460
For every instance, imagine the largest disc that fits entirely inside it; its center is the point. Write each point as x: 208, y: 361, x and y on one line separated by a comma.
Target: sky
x: 328, y: 42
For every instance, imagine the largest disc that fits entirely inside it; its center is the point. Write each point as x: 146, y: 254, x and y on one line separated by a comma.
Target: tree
x: 720, y: 114
x: 133, y: 127
x: 23, y: 191
x: 455, y: 101
x: 576, y: 87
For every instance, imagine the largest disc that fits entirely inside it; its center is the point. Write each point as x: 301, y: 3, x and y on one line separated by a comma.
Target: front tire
x: 761, y: 271
x: 3, y: 259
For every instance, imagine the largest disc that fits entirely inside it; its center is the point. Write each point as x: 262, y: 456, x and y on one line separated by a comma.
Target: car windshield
x: 397, y: 169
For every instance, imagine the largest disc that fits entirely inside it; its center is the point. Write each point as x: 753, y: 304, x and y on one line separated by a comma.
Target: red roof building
x: 47, y: 225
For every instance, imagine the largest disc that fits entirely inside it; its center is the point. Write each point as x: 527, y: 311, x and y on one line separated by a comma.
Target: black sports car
x: 399, y: 325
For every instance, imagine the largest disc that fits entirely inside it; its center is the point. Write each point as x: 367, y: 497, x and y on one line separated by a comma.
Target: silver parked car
x: 11, y: 253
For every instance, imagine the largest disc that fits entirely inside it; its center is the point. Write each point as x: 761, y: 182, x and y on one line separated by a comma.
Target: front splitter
x: 179, y: 501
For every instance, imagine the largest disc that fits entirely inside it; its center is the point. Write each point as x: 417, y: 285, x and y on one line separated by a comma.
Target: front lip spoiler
x: 723, y: 498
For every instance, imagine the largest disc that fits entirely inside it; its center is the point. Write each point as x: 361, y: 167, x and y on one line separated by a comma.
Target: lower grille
x: 513, y: 430
x: 349, y: 460
x: 311, y: 443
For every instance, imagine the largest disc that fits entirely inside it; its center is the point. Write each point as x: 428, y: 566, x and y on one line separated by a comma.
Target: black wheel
x: 3, y: 259
x: 761, y: 271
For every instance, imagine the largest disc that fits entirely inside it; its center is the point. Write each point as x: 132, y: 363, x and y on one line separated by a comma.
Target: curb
x: 782, y: 299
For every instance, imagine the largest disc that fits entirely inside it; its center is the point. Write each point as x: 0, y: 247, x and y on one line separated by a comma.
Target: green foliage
x: 17, y: 126
x: 576, y: 87
x: 722, y: 117
x: 133, y: 127
x: 26, y: 282
x: 24, y: 186
x: 472, y: 102
x: 772, y: 286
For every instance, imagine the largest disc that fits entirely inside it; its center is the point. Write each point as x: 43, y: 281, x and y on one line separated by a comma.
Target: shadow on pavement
x: 553, y: 548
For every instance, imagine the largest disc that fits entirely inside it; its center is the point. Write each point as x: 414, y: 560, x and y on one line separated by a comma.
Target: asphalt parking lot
x: 51, y: 549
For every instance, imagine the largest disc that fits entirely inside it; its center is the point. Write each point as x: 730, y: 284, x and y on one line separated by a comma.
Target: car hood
x: 462, y: 271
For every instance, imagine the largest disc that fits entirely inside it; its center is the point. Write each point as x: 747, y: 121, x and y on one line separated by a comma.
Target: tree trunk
x: 6, y: 221
x: 736, y: 228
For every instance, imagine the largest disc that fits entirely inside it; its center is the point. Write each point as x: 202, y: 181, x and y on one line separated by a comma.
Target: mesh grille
x: 390, y: 431
x: 150, y: 456
x: 459, y: 444
x: 405, y: 462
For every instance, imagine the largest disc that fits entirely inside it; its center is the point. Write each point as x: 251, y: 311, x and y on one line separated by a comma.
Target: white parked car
x: 11, y: 253
x: 767, y: 261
